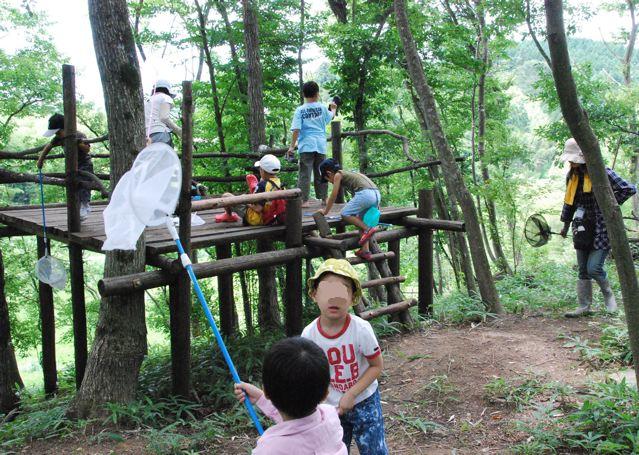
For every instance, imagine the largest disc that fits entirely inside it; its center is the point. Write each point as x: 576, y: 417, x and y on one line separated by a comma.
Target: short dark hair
x: 310, y: 89
x: 328, y: 164
x: 161, y: 90
x: 296, y: 376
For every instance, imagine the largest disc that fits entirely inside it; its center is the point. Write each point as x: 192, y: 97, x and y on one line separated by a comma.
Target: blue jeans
x: 366, y: 422
x: 591, y: 264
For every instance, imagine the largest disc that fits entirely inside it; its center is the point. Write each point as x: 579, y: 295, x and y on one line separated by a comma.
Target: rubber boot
x: 584, y: 297
x: 608, y: 295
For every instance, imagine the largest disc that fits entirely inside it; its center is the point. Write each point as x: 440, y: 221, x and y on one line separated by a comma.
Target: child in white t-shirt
x: 353, y: 354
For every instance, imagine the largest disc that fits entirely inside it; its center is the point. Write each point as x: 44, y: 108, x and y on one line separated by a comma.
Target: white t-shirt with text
x: 348, y: 352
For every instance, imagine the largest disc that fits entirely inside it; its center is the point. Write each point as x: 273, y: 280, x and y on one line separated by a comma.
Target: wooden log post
x: 225, y: 294
x: 47, y: 323
x: 180, y: 290
x: 336, y: 150
x: 294, y: 287
x: 393, y: 263
x: 76, y: 262
x: 425, y: 255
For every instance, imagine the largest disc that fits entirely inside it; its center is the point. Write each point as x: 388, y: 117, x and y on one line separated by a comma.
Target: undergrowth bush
x: 607, y: 422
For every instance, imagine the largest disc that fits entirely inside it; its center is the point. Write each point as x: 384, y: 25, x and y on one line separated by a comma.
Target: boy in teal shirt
x: 309, y: 133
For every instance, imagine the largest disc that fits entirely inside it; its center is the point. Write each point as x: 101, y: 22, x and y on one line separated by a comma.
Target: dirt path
x: 433, y: 388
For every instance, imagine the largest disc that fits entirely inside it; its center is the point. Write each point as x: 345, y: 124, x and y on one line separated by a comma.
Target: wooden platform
x: 158, y: 241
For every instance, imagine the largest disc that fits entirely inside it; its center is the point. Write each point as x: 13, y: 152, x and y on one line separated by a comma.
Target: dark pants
x: 591, y: 264
x: 366, y: 422
x: 85, y: 193
x: 309, y: 163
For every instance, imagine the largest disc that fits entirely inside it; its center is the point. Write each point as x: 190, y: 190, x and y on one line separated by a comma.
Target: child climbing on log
x: 365, y: 195
x: 353, y: 353
x: 56, y: 129
x: 296, y: 377
x: 262, y: 213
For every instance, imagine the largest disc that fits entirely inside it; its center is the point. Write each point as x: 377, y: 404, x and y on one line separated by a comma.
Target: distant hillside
x: 604, y: 58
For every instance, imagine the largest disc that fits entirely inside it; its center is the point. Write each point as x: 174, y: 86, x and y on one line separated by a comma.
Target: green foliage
x: 607, y: 422
x: 612, y: 348
x: 522, y: 393
x: 29, y: 75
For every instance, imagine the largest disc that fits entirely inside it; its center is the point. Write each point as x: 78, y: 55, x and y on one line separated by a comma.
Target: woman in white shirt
x: 157, y: 114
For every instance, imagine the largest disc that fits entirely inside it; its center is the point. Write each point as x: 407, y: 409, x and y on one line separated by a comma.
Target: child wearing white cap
x: 157, y: 112
x: 261, y: 213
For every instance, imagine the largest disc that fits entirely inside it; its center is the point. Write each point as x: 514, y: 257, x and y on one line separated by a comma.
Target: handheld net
x: 537, y: 231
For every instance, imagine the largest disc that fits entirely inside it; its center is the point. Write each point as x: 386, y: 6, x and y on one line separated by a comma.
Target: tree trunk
x: 209, y: 63
x: 257, y: 124
x: 120, y: 338
x: 300, y: 67
x: 452, y: 174
x: 10, y: 380
x: 237, y: 67
x: 500, y: 257
x: 268, y: 310
x: 577, y: 121
x: 359, y: 118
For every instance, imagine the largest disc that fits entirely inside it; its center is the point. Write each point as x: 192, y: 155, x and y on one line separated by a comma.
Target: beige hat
x: 572, y: 152
x: 339, y: 267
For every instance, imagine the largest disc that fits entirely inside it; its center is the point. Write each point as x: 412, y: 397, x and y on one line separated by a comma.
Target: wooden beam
x: 47, y: 325
x: 149, y: 280
x: 393, y: 308
x: 354, y: 260
x: 180, y: 290
x: 231, y: 201
x: 293, y: 296
x: 429, y: 223
x: 412, y: 167
x: 76, y: 262
x: 336, y: 152
x: 380, y: 237
x: 383, y: 281
x: 320, y: 242
x: 425, y: 254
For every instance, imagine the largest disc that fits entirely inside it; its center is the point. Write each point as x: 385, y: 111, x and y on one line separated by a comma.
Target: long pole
x: 186, y: 263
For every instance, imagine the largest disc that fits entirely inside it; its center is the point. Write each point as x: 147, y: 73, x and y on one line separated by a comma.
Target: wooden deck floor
x: 158, y: 241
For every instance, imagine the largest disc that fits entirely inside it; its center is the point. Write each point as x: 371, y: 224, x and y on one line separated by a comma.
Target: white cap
x: 269, y: 163
x: 163, y: 83
x: 572, y: 152
x: 49, y: 133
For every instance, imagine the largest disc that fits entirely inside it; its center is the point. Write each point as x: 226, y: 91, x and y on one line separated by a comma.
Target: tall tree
x: 10, y: 380
x: 120, y: 338
x: 452, y: 175
x: 257, y: 123
x: 577, y: 120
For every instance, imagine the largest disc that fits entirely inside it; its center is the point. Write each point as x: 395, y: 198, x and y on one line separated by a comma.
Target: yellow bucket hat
x: 339, y: 267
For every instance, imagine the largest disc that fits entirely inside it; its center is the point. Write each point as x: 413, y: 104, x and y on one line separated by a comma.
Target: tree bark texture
x: 577, y: 121
x: 500, y: 257
x: 10, y: 380
x: 120, y: 338
x: 300, y: 65
x: 211, y: 66
x: 452, y: 174
x: 257, y: 123
x: 268, y: 310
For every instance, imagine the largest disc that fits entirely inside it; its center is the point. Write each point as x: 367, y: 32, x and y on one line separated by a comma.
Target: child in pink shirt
x: 296, y: 376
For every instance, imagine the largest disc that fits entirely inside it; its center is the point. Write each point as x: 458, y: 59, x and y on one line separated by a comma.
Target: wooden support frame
x: 425, y: 255
x: 47, y: 324
x: 293, y: 293
x: 180, y: 290
x: 76, y: 264
x: 225, y: 293
x: 393, y: 308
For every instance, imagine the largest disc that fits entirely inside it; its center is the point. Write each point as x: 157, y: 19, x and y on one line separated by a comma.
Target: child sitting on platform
x: 296, y: 377
x: 365, y: 195
x: 353, y: 353
x: 261, y: 213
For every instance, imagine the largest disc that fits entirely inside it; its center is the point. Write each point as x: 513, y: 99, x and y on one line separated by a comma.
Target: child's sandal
x: 368, y: 233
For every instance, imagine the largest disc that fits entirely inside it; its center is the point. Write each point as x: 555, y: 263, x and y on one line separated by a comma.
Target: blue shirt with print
x: 311, y: 119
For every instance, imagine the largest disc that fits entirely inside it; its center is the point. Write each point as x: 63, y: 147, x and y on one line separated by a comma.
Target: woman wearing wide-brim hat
x: 590, y: 236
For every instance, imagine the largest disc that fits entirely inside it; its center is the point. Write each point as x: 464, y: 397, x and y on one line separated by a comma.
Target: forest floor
x: 445, y: 389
